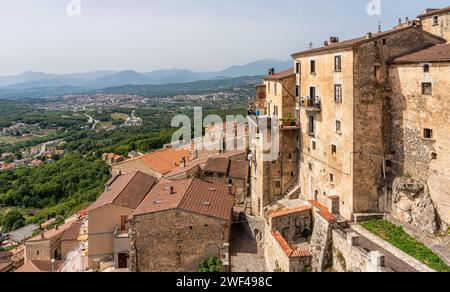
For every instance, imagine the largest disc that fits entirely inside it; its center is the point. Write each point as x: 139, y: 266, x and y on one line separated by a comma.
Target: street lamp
x: 53, y: 265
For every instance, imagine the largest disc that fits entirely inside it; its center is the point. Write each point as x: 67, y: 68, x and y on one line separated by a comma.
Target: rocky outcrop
x: 412, y: 203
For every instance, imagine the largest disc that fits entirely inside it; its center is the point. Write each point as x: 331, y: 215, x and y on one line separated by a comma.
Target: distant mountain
x: 102, y: 79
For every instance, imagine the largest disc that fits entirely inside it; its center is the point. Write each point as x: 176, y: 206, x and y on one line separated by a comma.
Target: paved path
x: 417, y: 265
x: 246, y: 255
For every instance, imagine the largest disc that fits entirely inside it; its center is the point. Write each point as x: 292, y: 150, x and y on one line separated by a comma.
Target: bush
x: 211, y: 265
x: 10, y: 220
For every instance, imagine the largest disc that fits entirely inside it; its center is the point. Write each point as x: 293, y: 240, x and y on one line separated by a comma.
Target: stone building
x: 344, y: 96
x: 420, y: 147
x: 108, y: 229
x: 436, y: 21
x: 273, y: 178
x: 180, y: 224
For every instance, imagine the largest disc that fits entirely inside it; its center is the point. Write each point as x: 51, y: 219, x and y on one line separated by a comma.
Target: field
x: 119, y: 116
x: 13, y: 139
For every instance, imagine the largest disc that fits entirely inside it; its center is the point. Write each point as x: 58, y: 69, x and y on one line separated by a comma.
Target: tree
x: 9, y: 222
x: 211, y: 265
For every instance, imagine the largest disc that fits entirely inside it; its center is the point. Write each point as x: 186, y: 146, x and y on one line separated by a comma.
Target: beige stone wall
x: 442, y: 29
x: 68, y: 246
x: 412, y: 112
x: 102, y: 224
x: 43, y: 250
x: 292, y: 226
x: 283, y: 98
x: 317, y: 165
x: 190, y: 239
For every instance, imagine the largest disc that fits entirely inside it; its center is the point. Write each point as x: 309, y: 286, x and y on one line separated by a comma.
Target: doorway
x: 123, y: 261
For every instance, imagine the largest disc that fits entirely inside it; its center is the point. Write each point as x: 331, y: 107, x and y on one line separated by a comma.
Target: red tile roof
x: 39, y: 267
x: 217, y: 165
x: 349, y: 44
x: 162, y: 161
x: 281, y: 75
x: 238, y: 169
x: 288, y: 249
x: 323, y: 211
x: 437, y: 53
x: 285, y: 212
x: 433, y: 11
x: 52, y: 233
x: 73, y: 232
x: 192, y: 195
x: 127, y: 190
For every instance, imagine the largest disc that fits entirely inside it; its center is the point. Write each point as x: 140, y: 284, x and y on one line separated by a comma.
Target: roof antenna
x: 379, y: 26
x: 311, y: 45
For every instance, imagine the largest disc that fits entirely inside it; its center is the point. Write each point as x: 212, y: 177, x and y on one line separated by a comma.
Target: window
x: 436, y: 20
x: 434, y: 156
x: 297, y: 68
x: 428, y: 133
x: 331, y: 177
x: 310, y: 166
x: 311, y: 124
x: 312, y: 92
x: 427, y: 88
x: 384, y: 42
x: 297, y: 90
x: 338, y: 93
x: 278, y: 184
x: 426, y: 68
x: 313, y: 67
x: 337, y: 63
x: 275, y: 110
x: 338, y: 127
x: 275, y: 88
x: 333, y: 149
x: 292, y: 174
x: 314, y: 145
x: 376, y: 72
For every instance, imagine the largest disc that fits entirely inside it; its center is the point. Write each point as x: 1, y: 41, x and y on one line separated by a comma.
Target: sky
x: 201, y: 35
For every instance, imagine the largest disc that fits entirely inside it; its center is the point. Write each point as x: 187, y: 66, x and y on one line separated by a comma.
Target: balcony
x: 289, y: 125
x: 311, y: 104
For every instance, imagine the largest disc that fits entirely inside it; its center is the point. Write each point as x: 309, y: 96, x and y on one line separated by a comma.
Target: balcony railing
x: 122, y: 233
x: 311, y: 104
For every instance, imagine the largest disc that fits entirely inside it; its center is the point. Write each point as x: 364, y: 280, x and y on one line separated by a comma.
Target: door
x: 123, y: 222
x: 123, y: 260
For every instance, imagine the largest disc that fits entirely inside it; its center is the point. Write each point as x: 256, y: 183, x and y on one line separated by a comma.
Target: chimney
x: 369, y: 35
x: 172, y: 191
x: 56, y: 228
x: 230, y: 189
x: 183, y: 162
x: 271, y: 71
x: 399, y: 21
x: 325, y: 43
x: 334, y: 40
x: 42, y: 235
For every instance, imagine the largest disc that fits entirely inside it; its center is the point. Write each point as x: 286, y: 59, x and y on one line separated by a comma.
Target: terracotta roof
x: 5, y: 254
x: 437, y: 53
x: 349, y: 44
x: 6, y: 265
x: 192, y: 195
x: 127, y: 190
x: 286, y: 212
x: 433, y: 11
x: 217, y: 165
x: 52, y: 233
x: 162, y: 161
x: 281, y: 75
x: 238, y: 169
x: 189, y: 166
x: 323, y: 211
x: 288, y: 249
x: 72, y: 233
x: 39, y: 267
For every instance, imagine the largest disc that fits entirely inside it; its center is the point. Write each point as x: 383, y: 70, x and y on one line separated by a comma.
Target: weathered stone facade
x: 437, y: 23
x: 176, y: 241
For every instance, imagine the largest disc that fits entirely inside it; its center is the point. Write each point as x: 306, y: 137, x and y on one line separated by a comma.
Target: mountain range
x: 38, y: 84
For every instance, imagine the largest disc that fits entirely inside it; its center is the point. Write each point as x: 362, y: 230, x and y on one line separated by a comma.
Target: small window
x: 314, y: 145
x: 331, y: 177
x: 337, y: 63
x: 297, y: 68
x: 313, y: 67
x: 297, y: 91
x: 312, y: 92
x: 275, y: 88
x: 427, y: 88
x: 384, y: 42
x: 436, y: 20
x: 311, y: 125
x: 37, y: 252
x: 428, y: 133
x: 338, y: 127
x: 292, y: 174
x: 338, y: 93
x: 278, y: 184
x: 434, y: 156
x: 426, y: 68
x: 333, y: 149
x: 275, y: 110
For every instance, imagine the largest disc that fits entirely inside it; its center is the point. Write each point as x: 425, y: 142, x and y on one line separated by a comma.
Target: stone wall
x: 348, y: 256
x: 321, y: 244
x: 176, y: 241
x: 443, y: 27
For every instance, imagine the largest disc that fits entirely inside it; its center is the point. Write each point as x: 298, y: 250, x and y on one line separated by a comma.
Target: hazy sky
x: 145, y: 35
